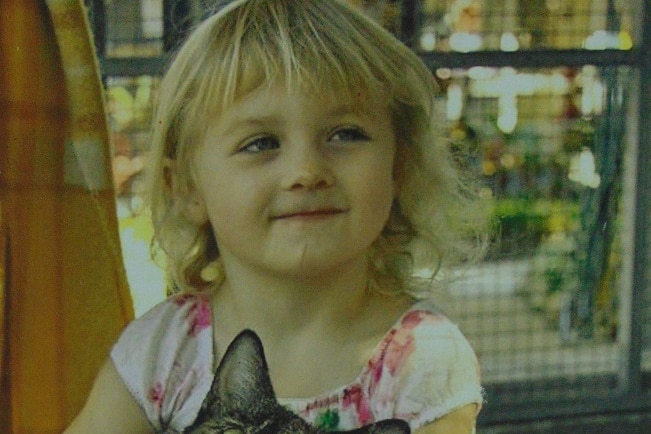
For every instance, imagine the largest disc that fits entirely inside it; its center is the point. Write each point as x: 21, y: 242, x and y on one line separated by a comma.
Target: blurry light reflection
x: 509, y: 42
x: 507, y: 117
x: 601, y: 40
x: 508, y: 81
x: 454, y: 102
x: 444, y: 73
x: 463, y: 42
x: 583, y: 169
x: 428, y: 39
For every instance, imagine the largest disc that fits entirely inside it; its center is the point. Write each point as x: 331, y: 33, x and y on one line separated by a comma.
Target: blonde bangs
x: 313, y: 48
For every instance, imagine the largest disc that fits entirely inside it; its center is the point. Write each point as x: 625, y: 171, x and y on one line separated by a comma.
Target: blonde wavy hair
x: 436, y: 219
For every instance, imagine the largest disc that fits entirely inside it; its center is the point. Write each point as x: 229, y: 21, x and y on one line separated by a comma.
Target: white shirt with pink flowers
x: 421, y: 370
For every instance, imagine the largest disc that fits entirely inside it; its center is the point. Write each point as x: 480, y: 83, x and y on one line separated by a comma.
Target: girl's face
x: 294, y: 183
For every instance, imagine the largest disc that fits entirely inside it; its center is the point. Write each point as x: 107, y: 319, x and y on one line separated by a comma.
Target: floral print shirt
x: 421, y: 370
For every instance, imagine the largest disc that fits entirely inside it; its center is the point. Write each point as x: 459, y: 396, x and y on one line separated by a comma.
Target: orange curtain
x: 65, y: 294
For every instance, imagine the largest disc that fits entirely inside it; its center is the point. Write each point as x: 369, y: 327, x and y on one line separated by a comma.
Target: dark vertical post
x: 601, y: 204
x: 97, y: 18
x: 410, y: 22
x: 631, y: 375
x: 176, y: 22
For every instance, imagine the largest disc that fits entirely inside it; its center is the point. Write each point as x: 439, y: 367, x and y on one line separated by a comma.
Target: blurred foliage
x: 523, y: 223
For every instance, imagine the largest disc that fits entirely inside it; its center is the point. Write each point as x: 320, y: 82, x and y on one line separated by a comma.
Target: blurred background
x: 548, y: 101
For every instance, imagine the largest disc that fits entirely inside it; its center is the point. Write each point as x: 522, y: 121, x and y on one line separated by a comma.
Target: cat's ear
x: 242, y: 377
x: 391, y: 426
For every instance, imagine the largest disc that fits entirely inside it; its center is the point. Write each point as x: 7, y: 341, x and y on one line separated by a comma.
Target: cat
x: 242, y: 400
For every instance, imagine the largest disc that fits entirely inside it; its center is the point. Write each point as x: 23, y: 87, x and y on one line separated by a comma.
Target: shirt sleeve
x: 165, y: 360
x: 440, y: 373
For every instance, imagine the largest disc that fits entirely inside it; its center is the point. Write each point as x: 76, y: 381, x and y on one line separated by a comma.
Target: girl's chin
x: 318, y: 267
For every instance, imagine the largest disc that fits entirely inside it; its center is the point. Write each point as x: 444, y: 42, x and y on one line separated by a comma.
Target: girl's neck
x: 329, y: 322
x: 281, y: 303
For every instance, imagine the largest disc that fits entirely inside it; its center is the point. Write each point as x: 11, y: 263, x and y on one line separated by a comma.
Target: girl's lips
x: 309, y: 214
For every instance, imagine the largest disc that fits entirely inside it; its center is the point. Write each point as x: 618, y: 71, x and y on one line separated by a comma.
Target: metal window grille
x: 550, y: 98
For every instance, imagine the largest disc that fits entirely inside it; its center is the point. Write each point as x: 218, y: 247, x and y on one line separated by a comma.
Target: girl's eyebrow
x: 262, y: 121
x: 250, y: 122
x: 342, y: 110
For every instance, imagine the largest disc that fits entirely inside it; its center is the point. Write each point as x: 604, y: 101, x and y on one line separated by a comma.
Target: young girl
x: 298, y: 180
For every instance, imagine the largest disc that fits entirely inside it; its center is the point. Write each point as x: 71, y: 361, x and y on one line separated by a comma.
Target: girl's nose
x: 309, y: 171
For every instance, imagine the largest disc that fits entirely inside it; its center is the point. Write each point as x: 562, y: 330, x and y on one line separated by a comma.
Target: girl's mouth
x: 308, y: 215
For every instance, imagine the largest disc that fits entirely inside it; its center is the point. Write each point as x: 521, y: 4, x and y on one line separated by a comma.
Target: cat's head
x: 242, y: 399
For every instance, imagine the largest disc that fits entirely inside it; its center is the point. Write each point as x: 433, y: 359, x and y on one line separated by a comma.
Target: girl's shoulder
x: 422, y: 334
x: 178, y: 320
x: 165, y: 359
x: 425, y: 367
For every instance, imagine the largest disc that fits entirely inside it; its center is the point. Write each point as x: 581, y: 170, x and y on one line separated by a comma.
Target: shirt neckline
x: 375, y: 353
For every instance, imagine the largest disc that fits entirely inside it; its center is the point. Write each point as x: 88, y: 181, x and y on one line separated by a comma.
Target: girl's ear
x: 194, y: 208
x: 190, y: 203
x: 169, y: 170
x: 399, y: 163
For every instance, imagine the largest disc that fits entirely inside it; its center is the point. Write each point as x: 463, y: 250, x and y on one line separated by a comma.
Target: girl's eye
x: 261, y: 144
x: 349, y: 135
